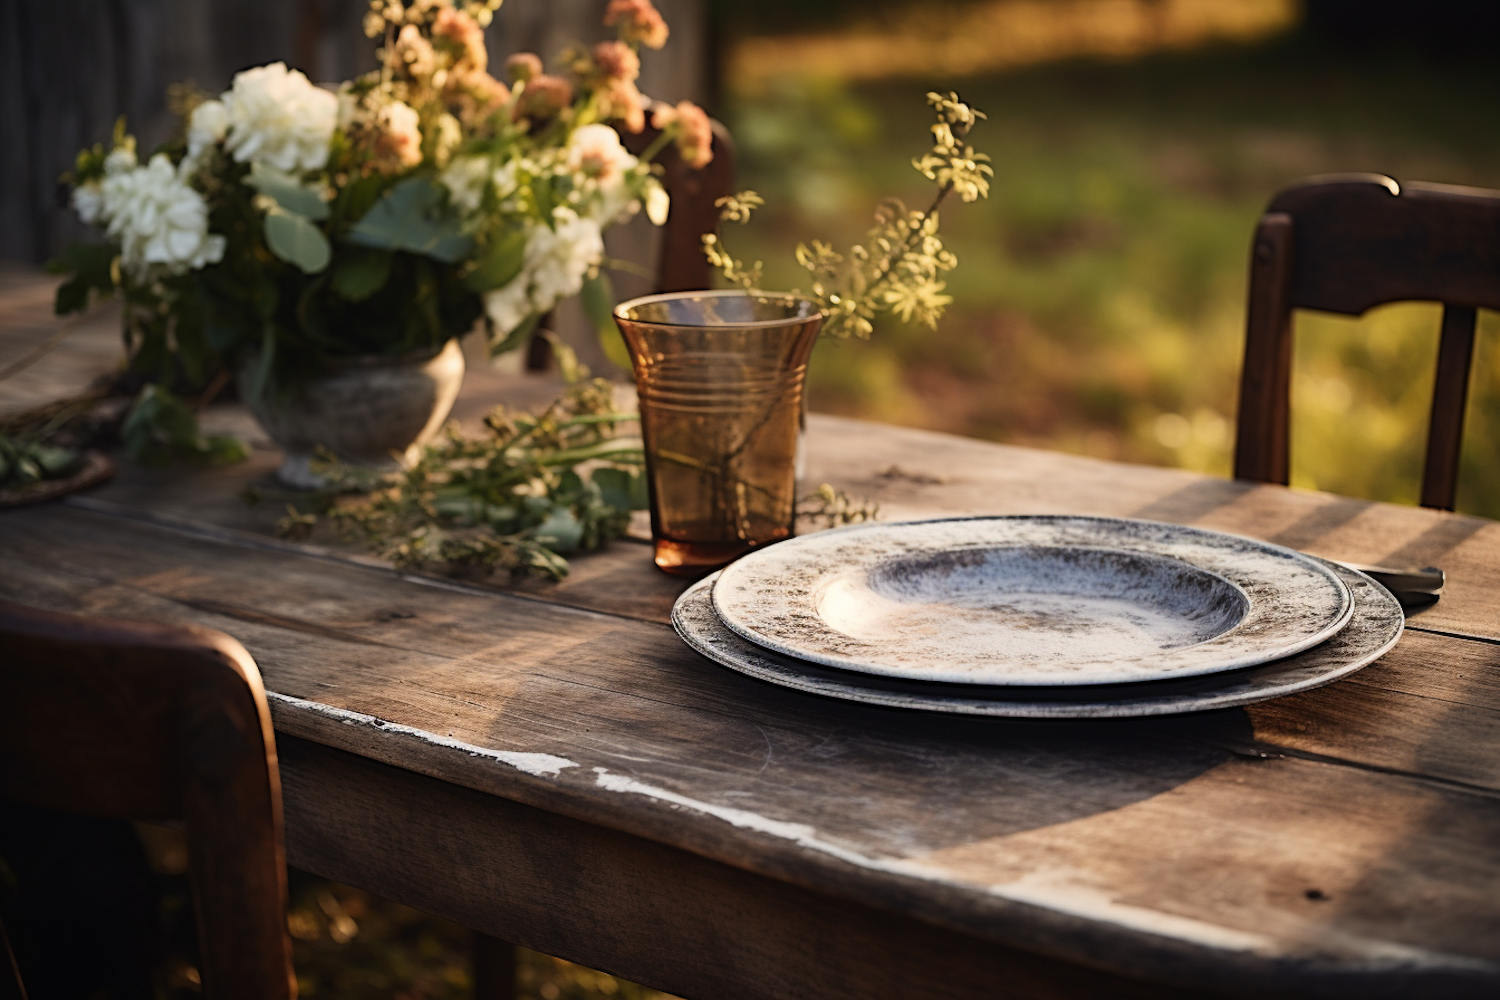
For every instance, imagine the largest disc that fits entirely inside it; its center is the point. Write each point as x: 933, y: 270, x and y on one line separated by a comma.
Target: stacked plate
x: 1039, y: 617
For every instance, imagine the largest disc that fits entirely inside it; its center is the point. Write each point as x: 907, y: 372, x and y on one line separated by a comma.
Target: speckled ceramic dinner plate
x: 1374, y: 626
x: 1031, y: 600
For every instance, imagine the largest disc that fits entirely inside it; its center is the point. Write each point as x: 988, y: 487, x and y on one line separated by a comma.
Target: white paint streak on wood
x: 1060, y: 896
x: 539, y: 764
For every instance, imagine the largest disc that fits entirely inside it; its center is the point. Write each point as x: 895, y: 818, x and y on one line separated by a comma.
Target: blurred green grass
x: 1100, y: 296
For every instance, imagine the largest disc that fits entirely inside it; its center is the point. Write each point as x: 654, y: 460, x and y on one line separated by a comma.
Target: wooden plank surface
x: 1283, y: 843
x: 1343, y: 840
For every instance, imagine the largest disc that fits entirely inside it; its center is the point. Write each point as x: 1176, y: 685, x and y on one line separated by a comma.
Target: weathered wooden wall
x: 69, y: 68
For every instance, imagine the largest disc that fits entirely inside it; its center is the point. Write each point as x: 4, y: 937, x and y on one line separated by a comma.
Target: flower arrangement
x: 290, y: 225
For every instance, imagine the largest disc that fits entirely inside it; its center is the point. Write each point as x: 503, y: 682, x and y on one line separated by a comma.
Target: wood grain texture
x: 917, y: 474
x: 1181, y: 850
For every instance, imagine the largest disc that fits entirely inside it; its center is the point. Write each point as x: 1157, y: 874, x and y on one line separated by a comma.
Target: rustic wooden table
x: 551, y: 765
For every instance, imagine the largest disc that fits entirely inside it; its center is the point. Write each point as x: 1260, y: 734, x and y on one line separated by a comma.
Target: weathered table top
x: 550, y: 764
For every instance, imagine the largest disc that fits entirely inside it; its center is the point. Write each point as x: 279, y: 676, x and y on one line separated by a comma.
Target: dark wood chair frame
x: 1344, y: 244
x: 135, y: 721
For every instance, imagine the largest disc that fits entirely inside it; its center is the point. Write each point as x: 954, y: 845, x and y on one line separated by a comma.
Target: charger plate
x: 1374, y: 626
x: 1031, y: 600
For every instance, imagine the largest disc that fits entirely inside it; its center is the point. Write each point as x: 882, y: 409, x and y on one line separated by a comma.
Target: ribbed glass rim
x: 621, y: 310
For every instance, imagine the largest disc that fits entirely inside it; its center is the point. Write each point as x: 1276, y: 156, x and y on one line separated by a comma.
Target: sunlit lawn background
x: 1100, y: 297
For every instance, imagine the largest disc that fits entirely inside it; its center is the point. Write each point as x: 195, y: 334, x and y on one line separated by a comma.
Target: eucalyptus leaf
x: 360, y: 272
x: 500, y: 264
x: 285, y: 190
x: 297, y: 241
x: 515, y: 338
x: 598, y: 300
x: 414, y: 216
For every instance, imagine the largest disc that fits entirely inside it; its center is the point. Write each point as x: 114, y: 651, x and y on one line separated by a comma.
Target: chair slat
x: 1345, y: 244
x: 1450, y: 394
x: 1263, y: 435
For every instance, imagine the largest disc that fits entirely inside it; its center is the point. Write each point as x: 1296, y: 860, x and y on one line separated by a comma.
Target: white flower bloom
x: 88, y: 202
x: 505, y: 180
x: 119, y: 161
x: 277, y: 117
x: 208, y: 125
x: 554, y: 265
x: 448, y: 136
x: 658, y: 204
x: 558, y: 259
x: 508, y: 306
x: 158, y: 219
x: 465, y: 179
x: 594, y: 151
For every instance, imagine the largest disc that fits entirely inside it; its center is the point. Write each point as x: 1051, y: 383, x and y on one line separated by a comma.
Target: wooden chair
x: 681, y: 266
x: 128, y: 720
x: 1344, y: 244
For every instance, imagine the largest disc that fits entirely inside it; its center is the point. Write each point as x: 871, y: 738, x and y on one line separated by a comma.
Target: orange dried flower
x: 523, y: 66
x: 616, y: 61
x: 475, y: 95
x: 638, y: 21
x: 621, y: 100
x: 543, y: 97
x: 695, y: 133
x: 462, y: 33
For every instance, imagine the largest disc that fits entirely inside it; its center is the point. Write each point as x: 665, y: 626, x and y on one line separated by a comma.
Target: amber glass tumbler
x: 719, y: 377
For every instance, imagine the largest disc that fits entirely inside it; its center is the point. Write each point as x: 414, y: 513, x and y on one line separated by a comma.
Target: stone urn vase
x: 373, y: 412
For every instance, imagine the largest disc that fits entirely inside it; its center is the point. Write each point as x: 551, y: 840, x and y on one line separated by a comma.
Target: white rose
x: 208, y: 125
x: 158, y: 219
x: 278, y: 118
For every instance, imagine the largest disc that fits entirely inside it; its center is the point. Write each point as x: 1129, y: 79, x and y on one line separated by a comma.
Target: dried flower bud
x: 695, y: 133
x: 638, y: 21
x: 543, y: 97
x: 621, y: 101
x: 474, y: 95
x: 459, y: 31
x: 414, y: 53
x: 398, y: 138
x: 616, y: 61
x: 523, y: 66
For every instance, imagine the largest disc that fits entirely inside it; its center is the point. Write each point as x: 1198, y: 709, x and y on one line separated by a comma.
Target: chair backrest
x: 1344, y: 244
x: 129, y: 720
x: 681, y: 266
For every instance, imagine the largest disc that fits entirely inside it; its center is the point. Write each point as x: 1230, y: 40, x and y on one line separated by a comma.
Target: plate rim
x: 1169, y: 696
x: 1340, y: 618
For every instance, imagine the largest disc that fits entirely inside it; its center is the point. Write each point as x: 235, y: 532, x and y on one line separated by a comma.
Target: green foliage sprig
x: 898, y: 267
x: 517, y: 498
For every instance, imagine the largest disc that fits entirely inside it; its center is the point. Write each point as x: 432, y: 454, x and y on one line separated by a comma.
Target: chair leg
x: 494, y: 968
